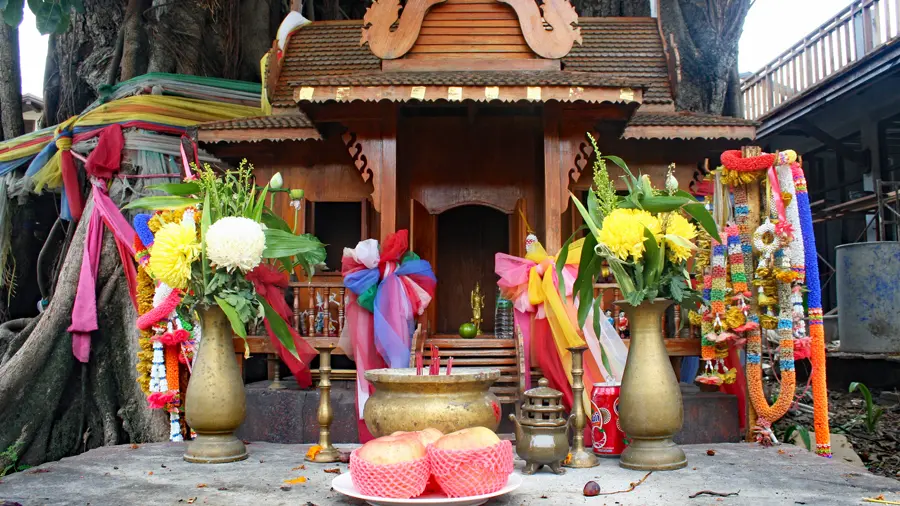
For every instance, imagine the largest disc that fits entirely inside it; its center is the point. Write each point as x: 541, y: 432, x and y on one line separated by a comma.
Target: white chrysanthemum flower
x: 235, y: 243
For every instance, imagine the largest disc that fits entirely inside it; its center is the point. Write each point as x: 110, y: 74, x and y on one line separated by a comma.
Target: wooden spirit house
x: 463, y: 120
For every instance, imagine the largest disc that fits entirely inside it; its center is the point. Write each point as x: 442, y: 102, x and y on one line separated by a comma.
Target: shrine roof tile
x: 614, y: 52
x: 685, y: 118
x: 260, y: 122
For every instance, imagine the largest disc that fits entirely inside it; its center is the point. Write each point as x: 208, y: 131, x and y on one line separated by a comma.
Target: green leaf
x: 162, y: 202
x: 236, y: 323
x: 179, y: 189
x: 591, y: 224
x: 698, y: 212
x: 651, y: 259
x: 260, y: 204
x: 279, y: 327
x: 594, y: 207
x: 273, y: 221
x: 621, y: 163
x: 588, y: 267
x: 676, y: 287
x: 560, y: 265
x: 13, y: 11
x: 626, y: 284
x: 280, y: 244
x: 205, y: 222
x: 658, y: 204
x: 681, y: 241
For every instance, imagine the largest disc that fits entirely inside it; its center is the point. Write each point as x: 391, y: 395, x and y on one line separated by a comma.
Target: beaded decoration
x: 816, y: 328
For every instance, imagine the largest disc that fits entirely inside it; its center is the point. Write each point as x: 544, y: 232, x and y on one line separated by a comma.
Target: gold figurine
x: 477, y: 301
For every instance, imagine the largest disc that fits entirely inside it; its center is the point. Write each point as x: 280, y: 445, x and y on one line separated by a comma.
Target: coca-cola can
x: 606, y: 432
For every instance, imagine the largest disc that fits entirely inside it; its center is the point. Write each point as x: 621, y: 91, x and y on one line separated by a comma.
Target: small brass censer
x: 542, y: 432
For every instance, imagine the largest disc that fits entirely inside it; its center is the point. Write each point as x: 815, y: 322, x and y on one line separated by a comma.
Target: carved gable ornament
x: 550, y: 29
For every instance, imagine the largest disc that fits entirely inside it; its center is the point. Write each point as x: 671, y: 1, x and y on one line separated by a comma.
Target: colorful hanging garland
x: 816, y: 329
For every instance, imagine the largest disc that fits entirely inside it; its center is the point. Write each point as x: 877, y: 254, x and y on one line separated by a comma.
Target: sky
x: 771, y: 27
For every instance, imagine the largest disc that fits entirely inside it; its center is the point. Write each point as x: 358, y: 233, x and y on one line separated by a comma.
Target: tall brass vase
x: 215, y: 402
x: 650, y: 407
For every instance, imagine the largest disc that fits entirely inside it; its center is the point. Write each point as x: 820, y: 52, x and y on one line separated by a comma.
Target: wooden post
x: 387, y: 173
x: 753, y: 221
x: 552, y: 180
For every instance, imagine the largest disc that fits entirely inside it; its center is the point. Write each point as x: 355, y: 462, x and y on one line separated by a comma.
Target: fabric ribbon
x: 84, y: 312
x: 532, y: 284
x: 388, y: 289
x: 270, y: 284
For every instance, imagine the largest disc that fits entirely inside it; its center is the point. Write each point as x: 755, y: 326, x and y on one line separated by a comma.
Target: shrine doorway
x: 467, y: 239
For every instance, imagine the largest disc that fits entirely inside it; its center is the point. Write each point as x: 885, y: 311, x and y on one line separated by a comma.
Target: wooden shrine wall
x: 444, y: 162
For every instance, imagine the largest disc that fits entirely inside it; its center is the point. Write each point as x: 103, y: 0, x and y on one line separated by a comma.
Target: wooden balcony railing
x: 856, y: 31
x: 318, y: 316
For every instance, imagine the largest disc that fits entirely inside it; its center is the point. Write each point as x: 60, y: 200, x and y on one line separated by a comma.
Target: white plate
x: 344, y: 485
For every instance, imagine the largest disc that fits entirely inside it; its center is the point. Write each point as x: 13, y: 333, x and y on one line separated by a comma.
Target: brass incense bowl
x: 405, y: 402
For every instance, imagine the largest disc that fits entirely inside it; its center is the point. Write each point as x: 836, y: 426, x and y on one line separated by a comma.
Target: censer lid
x: 543, y: 391
x: 543, y: 406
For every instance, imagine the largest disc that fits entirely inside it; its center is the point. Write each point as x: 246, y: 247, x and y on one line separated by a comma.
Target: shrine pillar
x: 553, y: 179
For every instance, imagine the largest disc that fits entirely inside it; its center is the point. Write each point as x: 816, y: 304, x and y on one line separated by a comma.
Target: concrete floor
x: 155, y: 474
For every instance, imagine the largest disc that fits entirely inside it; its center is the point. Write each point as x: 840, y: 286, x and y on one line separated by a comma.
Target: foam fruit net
x: 464, y: 473
x: 403, y: 480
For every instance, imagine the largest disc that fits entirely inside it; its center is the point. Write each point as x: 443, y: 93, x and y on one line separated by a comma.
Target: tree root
x: 45, y: 414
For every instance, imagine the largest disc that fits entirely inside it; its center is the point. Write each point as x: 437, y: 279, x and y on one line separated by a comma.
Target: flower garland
x: 816, y: 328
x: 786, y: 182
x: 714, y: 346
x: 145, y: 291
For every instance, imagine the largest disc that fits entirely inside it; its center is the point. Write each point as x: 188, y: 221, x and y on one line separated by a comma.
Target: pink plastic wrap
x: 403, y: 480
x: 464, y: 473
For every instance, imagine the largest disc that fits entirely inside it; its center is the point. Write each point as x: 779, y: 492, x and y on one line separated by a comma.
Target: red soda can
x: 606, y: 432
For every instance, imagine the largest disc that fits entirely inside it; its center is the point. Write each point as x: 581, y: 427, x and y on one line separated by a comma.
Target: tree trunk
x: 134, y: 48
x: 706, y: 37
x: 613, y: 8
x: 53, y: 405
x: 10, y: 84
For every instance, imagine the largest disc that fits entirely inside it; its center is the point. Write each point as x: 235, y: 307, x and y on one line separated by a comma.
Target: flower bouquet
x: 213, y: 248
x: 646, y: 237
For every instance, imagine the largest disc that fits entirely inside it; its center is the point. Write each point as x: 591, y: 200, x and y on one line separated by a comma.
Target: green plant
x: 802, y: 430
x: 11, y: 457
x: 873, y: 413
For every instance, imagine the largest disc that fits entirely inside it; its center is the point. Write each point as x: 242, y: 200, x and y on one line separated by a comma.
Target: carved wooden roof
x: 614, y: 50
x: 687, y: 125
x: 274, y: 128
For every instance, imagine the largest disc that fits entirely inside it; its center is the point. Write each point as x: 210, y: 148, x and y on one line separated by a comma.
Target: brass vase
x: 650, y: 407
x: 215, y: 403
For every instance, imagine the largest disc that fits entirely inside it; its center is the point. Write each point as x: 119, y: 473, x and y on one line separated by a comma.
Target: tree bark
x: 54, y: 406
x: 10, y: 83
x: 613, y: 8
x: 706, y: 36
x: 134, y: 48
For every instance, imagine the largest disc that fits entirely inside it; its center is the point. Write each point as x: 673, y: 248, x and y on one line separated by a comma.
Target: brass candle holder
x: 581, y: 458
x: 275, y: 364
x: 328, y: 452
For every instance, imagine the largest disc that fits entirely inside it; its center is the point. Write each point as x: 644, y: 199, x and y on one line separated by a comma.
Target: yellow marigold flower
x: 678, y: 225
x: 174, y: 249
x: 623, y: 232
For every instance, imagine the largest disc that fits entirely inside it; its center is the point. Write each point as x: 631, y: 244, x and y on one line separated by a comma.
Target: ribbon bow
x: 388, y: 289
x: 270, y: 284
x: 532, y: 283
